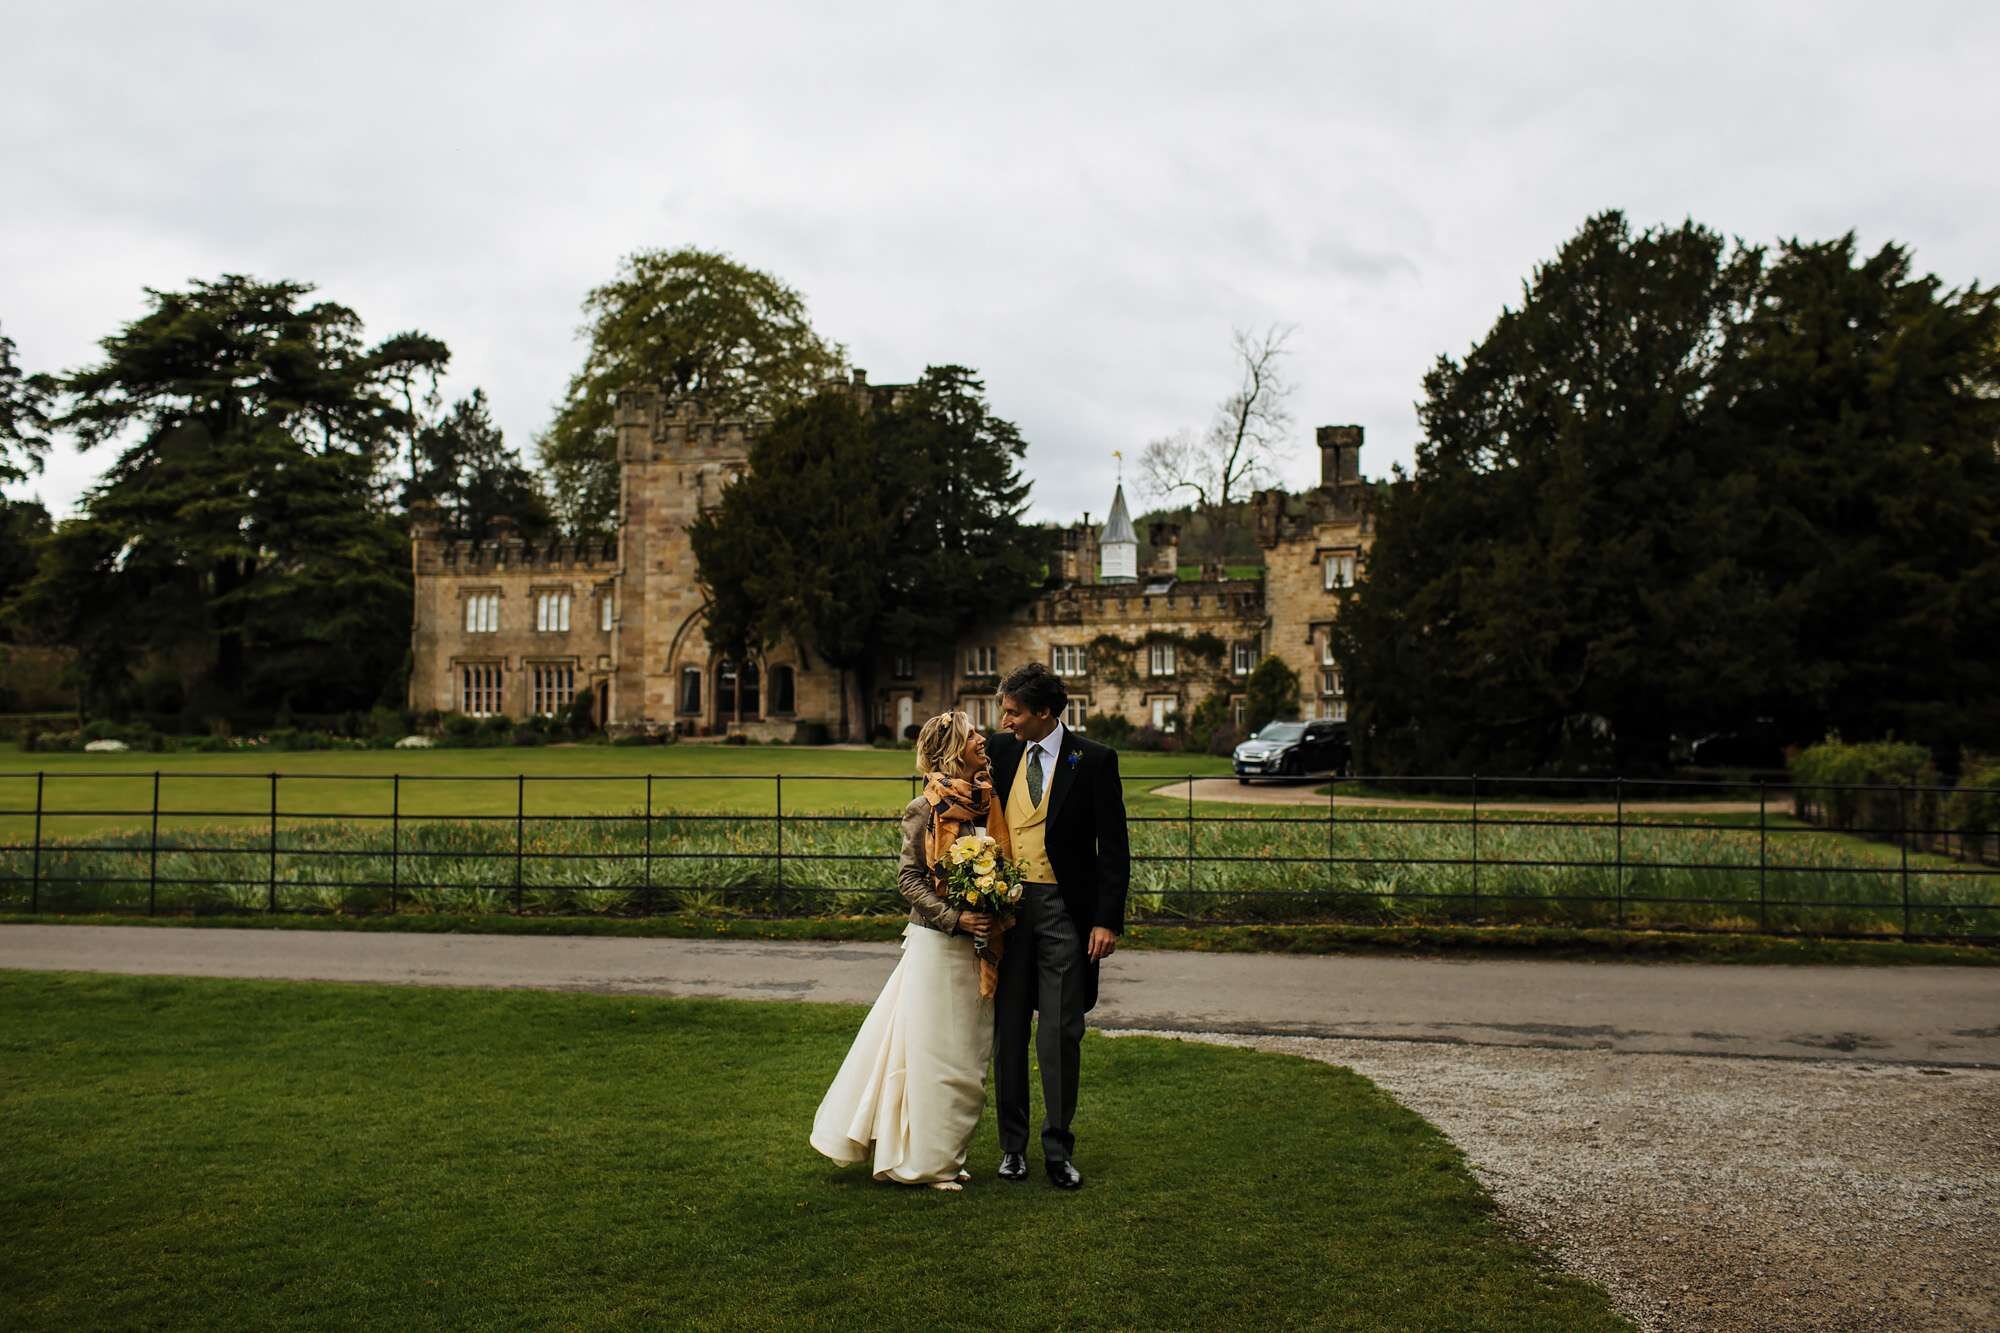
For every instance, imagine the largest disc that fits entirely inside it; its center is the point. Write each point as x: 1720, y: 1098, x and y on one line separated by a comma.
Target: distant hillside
x: 1227, y: 535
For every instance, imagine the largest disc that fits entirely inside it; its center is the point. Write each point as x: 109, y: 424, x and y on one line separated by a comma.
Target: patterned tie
x: 1035, y: 776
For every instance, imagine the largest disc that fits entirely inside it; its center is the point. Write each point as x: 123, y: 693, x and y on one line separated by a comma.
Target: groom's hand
x: 1103, y: 943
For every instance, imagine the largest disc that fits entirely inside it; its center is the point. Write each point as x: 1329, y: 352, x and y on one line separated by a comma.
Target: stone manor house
x: 504, y: 627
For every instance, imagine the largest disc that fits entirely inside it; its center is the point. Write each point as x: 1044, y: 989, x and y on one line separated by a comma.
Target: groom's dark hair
x: 1036, y: 688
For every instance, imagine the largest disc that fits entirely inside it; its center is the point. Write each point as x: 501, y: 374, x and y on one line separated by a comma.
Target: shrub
x: 387, y: 724
x: 735, y: 738
x: 578, y: 718
x: 1153, y: 738
x: 1824, y: 775
x: 529, y: 734
x: 1271, y: 694
x: 812, y: 733
x: 1974, y: 808
x: 1110, y: 728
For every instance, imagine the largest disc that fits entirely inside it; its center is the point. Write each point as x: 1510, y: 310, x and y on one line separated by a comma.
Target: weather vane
x: 1119, y: 454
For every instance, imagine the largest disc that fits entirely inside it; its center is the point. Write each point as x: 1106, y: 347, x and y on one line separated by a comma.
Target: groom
x: 1066, y: 813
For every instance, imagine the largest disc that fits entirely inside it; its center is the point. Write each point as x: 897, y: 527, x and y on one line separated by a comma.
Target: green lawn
x: 199, y: 1153
x: 582, y: 845
x: 81, y: 789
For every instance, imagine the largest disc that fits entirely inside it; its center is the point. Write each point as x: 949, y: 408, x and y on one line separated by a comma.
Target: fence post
x: 779, y: 779
x: 1332, y: 795
x: 271, y: 884
x: 1618, y: 829
x: 1763, y: 920
x: 153, y: 853
x: 1475, y: 844
x: 1903, y: 837
x: 395, y: 838
x: 1190, y: 842
x: 646, y: 896
x: 35, y: 876
x: 520, y: 832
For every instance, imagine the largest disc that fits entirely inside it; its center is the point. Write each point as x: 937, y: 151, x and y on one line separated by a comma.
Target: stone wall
x: 515, y: 574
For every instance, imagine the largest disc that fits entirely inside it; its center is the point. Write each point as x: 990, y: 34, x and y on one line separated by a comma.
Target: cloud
x: 1078, y: 201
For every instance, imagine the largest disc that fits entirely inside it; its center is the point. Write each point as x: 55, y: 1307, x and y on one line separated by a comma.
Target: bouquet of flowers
x: 977, y: 878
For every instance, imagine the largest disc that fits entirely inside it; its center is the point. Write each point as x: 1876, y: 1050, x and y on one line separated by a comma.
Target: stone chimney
x: 1339, y: 456
x: 1166, y: 542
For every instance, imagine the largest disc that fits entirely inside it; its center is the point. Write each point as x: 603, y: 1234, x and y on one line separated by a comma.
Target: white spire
x: 1118, y: 544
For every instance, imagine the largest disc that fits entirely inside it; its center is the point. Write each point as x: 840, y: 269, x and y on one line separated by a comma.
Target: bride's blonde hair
x: 941, y: 745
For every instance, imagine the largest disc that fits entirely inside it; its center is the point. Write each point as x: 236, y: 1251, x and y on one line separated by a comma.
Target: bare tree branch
x: 1245, y: 440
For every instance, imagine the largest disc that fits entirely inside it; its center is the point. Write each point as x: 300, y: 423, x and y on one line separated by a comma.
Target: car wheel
x: 1242, y: 782
x: 1291, y: 767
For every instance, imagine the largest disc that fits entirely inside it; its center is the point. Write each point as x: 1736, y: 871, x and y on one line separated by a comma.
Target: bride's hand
x: 975, y: 923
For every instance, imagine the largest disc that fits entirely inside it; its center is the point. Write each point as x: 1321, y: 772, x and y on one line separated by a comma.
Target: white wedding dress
x: 913, y: 1085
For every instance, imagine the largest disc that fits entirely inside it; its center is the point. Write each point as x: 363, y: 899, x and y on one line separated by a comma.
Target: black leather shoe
x: 1013, y: 1166
x: 1065, y: 1176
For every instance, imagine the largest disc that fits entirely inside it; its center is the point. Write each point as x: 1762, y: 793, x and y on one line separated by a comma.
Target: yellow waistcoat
x: 1028, y: 824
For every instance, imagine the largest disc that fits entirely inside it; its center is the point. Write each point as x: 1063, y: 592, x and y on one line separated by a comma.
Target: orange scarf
x: 957, y: 803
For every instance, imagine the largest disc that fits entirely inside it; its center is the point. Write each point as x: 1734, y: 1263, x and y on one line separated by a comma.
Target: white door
x: 906, y: 714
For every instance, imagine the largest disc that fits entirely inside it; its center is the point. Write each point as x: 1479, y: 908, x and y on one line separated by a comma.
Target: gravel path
x: 1721, y: 1193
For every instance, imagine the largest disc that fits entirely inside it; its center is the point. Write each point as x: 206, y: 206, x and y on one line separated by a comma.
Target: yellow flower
x: 972, y: 895
x: 984, y: 882
x: 984, y: 866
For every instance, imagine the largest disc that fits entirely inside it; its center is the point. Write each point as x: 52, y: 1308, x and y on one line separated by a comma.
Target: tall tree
x: 464, y: 466
x: 25, y: 401
x: 696, y: 323
x: 795, y: 551
x: 1685, y: 487
x: 1244, y: 441
x: 235, y: 531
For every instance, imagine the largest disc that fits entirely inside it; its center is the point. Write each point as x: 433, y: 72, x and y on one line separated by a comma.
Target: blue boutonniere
x: 1074, y: 755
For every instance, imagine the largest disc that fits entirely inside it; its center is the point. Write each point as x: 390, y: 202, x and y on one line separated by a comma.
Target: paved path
x: 1304, y: 792
x: 1904, y: 1015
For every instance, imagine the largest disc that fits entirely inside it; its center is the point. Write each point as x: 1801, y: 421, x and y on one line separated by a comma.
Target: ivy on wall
x: 1115, y: 660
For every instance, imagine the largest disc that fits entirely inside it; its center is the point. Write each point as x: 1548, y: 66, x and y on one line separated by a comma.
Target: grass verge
x: 1412, y: 941
x: 201, y: 1153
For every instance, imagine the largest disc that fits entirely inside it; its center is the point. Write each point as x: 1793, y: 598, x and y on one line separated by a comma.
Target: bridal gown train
x: 913, y: 1085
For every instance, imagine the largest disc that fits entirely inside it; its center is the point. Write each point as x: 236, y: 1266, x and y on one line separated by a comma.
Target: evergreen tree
x: 1652, y: 504
x: 24, y: 416
x: 858, y: 533
x: 699, y: 325
x: 463, y: 465
x: 235, y: 529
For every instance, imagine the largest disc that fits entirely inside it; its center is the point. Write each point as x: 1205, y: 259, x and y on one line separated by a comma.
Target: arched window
x: 736, y: 693
x: 690, y: 689
x: 782, y: 690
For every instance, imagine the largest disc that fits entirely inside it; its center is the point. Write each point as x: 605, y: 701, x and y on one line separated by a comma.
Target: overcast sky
x: 1079, y: 200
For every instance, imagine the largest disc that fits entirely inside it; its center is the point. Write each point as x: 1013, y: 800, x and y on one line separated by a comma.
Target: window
x: 1074, y: 714
x: 1160, y: 661
x: 729, y: 682
x: 604, y: 610
x: 1329, y: 682
x: 1338, y: 710
x: 979, y: 708
x: 783, y: 690
x: 482, y: 613
x: 1238, y: 709
x: 982, y: 661
x: 1339, y: 570
x: 554, y: 686
x: 690, y: 689
x: 1066, y: 659
x: 906, y: 666
x: 1243, y: 658
x: 479, y: 689
x: 552, y: 613
x: 1326, y: 648
x: 1166, y: 713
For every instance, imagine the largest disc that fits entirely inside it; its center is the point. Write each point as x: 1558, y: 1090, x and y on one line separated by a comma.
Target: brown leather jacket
x: 913, y: 876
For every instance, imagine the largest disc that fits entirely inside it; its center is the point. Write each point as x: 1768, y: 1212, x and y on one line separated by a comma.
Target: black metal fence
x: 1629, y: 854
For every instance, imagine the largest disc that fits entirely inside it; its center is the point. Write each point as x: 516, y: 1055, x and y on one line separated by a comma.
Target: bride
x: 913, y: 1085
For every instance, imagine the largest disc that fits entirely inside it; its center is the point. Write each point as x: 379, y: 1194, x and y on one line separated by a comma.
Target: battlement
x: 653, y: 425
